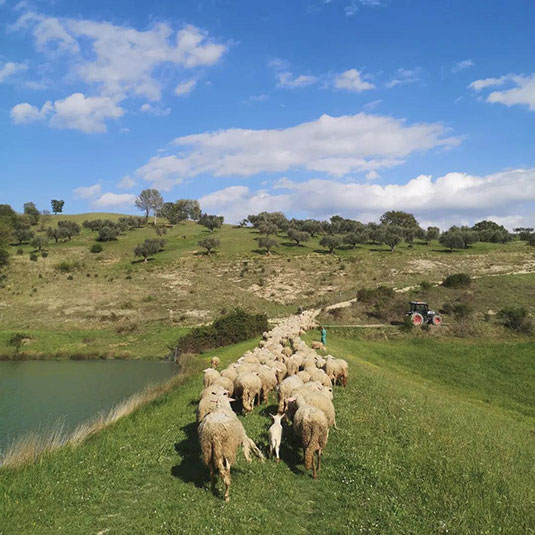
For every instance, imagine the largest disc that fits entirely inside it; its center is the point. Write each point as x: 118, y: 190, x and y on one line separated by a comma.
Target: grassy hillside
x: 416, y: 453
x: 113, y: 304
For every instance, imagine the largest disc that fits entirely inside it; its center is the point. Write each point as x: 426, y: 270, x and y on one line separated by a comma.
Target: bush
x: 425, y: 286
x: 33, y: 257
x: 96, y: 248
x: 462, y: 311
x: 108, y: 233
x: 457, y: 280
x: 407, y: 326
x: 17, y: 339
x: 66, y: 266
x: 516, y: 319
x: 373, y: 296
x: 4, y: 257
x: 44, y: 254
x: 20, y: 251
x: 232, y: 328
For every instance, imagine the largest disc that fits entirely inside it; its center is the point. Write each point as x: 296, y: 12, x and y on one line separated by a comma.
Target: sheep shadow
x: 191, y: 469
x: 290, y: 450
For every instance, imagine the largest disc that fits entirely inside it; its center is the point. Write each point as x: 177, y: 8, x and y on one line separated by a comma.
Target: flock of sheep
x: 304, y: 382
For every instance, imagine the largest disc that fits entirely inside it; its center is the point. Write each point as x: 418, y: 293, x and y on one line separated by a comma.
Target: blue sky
x: 311, y: 107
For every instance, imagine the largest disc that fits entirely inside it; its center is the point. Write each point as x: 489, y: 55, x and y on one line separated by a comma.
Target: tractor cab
x: 419, y: 306
x: 420, y: 314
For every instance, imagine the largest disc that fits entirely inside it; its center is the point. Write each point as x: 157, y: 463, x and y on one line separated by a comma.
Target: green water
x: 36, y: 396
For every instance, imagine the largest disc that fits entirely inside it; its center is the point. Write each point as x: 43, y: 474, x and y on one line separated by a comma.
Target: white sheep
x: 275, y: 436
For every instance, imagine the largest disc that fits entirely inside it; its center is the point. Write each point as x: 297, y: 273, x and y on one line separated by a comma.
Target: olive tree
x: 57, y: 206
x: 211, y: 222
x: 298, y: 236
x: 331, y: 242
x: 209, y: 244
x: 267, y: 243
x: 393, y: 236
x: 148, y: 248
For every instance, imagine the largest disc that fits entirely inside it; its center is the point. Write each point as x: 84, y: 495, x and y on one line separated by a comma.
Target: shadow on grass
x: 323, y: 251
x: 142, y: 261
x: 191, y: 469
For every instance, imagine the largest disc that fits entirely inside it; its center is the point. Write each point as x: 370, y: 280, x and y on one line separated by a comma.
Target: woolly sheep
x: 304, y: 376
x: 220, y: 435
x: 287, y: 351
x: 229, y: 373
x: 249, y: 385
x: 321, y: 376
x: 215, y: 362
x: 275, y: 436
x: 286, y: 389
x: 311, y: 427
x: 337, y: 370
x: 210, y: 375
x: 268, y: 377
x: 226, y: 383
x: 210, y: 403
x: 292, y: 365
x: 321, y: 401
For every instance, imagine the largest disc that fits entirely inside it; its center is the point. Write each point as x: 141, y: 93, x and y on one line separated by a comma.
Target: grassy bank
x: 151, y: 341
x: 414, y: 454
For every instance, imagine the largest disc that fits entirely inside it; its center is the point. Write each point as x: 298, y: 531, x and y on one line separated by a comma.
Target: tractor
x: 420, y: 314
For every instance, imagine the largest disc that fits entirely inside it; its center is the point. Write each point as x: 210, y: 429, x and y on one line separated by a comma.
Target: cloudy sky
x: 316, y: 107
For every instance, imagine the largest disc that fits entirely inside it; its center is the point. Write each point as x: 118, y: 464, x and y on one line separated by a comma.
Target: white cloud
x: 258, y: 98
x: 451, y: 199
x: 76, y: 112
x: 121, y: 60
x: 405, y: 76
x: 522, y: 92
x: 351, y: 81
x: 287, y: 79
x: 88, y: 192
x: 462, y: 65
x: 478, y: 85
x: 26, y: 113
x: 351, y: 9
x: 185, y: 88
x: 115, y: 200
x: 10, y: 68
x: 157, y: 111
x: 126, y: 182
x: 237, y: 202
x: 372, y: 105
x: 372, y: 175
x: 334, y: 145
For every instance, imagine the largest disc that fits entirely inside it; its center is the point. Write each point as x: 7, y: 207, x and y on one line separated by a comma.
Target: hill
x: 77, y: 303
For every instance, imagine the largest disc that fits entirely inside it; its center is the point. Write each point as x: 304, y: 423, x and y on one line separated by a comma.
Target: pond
x: 37, y: 396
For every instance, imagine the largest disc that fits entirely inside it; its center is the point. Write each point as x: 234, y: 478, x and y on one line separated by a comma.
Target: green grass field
x: 435, y: 437
x: 135, y: 309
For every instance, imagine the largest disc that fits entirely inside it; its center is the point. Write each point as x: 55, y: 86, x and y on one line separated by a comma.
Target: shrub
x: 407, y: 326
x: 4, y: 257
x: 17, y: 339
x: 44, y: 254
x: 232, y: 328
x: 425, y: 286
x: 462, y: 311
x: 108, y: 233
x: 33, y: 257
x: 372, y: 296
x: 66, y: 266
x: 515, y: 318
x: 457, y: 280
x: 96, y: 248
x: 20, y: 251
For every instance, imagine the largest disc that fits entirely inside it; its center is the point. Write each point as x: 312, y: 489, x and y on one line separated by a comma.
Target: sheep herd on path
x: 281, y: 362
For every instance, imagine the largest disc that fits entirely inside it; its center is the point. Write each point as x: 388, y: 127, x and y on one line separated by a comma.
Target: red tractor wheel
x: 417, y: 319
x: 437, y: 321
